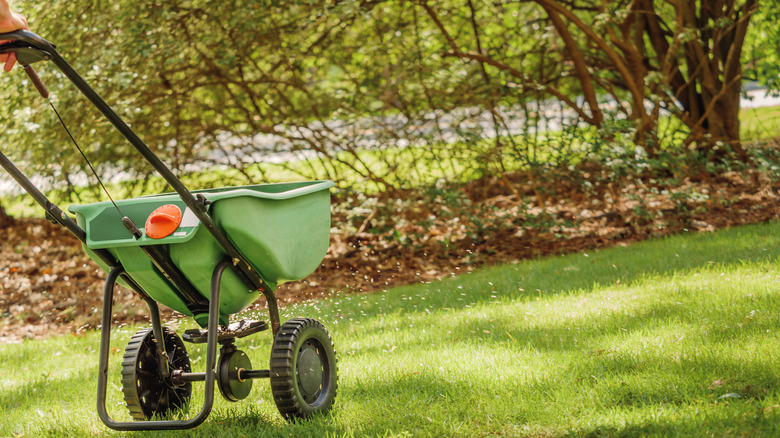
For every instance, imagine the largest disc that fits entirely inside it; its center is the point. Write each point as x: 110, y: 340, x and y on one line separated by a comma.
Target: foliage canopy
x: 237, y: 82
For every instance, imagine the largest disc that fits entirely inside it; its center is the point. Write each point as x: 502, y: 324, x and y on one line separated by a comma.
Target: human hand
x: 9, y: 22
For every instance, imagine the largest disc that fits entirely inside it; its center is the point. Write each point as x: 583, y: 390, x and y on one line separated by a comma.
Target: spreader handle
x: 36, y: 81
x: 25, y: 36
x: 28, y: 48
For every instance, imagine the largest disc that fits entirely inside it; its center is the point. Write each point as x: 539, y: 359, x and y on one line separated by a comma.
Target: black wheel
x: 303, y: 369
x: 146, y: 392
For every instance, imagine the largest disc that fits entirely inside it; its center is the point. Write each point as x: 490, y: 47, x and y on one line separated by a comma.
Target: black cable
x: 83, y: 155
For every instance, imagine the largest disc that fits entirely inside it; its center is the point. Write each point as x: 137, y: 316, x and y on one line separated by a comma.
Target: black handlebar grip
x: 36, y: 81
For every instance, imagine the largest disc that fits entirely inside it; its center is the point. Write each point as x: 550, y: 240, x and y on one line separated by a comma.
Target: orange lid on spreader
x: 163, y: 221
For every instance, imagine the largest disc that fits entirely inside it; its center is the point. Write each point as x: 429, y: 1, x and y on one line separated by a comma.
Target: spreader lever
x: 28, y: 48
x: 36, y: 81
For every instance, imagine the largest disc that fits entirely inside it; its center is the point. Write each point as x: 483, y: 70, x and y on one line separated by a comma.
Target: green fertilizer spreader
x: 208, y: 254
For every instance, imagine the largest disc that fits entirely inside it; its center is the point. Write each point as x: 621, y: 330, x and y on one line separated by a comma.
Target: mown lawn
x: 673, y: 337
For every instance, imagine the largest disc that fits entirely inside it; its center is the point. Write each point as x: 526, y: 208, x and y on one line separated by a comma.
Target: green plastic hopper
x: 281, y: 229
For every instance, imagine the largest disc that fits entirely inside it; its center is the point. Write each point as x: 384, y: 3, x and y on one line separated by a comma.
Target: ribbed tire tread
x: 132, y: 377
x: 295, y: 336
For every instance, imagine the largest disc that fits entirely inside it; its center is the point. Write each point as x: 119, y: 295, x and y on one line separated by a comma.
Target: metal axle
x: 179, y: 377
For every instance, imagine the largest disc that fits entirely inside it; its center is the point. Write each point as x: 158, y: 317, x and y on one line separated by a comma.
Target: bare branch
x: 580, y: 66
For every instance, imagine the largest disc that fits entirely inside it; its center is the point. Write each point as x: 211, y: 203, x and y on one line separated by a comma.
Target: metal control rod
x: 179, y: 378
x: 55, y: 214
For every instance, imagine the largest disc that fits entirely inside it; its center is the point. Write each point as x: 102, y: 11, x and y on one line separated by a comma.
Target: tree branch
x: 619, y: 63
x: 732, y: 63
x: 501, y: 66
x: 580, y: 66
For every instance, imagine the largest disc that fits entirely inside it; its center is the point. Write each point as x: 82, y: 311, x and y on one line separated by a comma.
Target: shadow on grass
x: 561, y: 275
x: 587, y: 374
x: 428, y: 399
x: 593, y: 332
x: 746, y: 425
x: 42, y: 391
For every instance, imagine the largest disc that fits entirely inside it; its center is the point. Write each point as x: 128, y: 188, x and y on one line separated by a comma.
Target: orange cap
x: 163, y: 221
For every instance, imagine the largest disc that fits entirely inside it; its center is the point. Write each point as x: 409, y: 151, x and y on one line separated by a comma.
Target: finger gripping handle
x: 36, y: 81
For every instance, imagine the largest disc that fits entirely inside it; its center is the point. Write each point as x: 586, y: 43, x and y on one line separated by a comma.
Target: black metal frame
x: 30, y: 48
x: 211, y: 355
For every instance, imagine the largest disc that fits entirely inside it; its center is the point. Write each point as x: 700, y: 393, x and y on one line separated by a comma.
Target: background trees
x: 499, y: 86
x: 649, y: 58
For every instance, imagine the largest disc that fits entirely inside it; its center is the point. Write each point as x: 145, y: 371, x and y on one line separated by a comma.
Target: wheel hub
x: 146, y: 392
x: 232, y: 386
x: 309, y: 370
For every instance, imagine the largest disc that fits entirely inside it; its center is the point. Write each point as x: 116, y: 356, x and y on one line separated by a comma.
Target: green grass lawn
x: 676, y: 336
x: 760, y: 123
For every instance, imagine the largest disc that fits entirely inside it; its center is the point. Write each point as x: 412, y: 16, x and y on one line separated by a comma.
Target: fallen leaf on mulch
x: 48, y: 285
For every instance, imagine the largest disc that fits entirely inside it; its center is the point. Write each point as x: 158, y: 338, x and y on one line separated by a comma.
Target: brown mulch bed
x: 49, y: 286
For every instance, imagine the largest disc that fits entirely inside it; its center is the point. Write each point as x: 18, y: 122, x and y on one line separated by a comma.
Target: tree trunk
x: 717, y: 120
x: 720, y: 71
x: 723, y: 124
x: 5, y: 220
x: 647, y: 134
